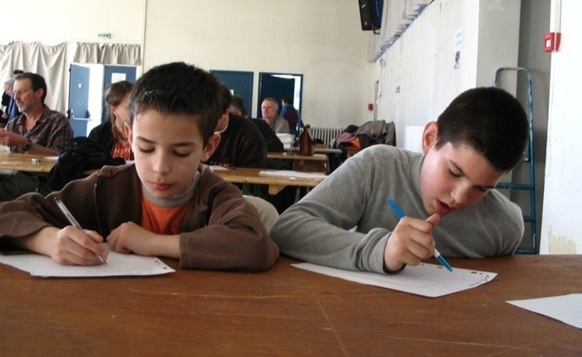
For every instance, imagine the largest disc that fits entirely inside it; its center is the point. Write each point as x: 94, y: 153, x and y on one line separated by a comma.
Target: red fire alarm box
x: 552, y: 41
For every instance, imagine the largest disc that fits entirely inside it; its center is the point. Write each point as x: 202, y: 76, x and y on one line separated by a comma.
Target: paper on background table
x: 425, y: 279
x: 290, y: 173
x: 565, y: 308
x: 117, y: 265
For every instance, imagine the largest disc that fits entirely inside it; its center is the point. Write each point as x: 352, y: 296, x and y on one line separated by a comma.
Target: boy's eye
x: 145, y: 150
x: 454, y: 174
x: 181, y: 154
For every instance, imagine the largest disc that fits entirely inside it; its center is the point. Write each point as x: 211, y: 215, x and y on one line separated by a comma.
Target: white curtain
x: 53, y: 62
x: 397, y: 15
x: 114, y: 53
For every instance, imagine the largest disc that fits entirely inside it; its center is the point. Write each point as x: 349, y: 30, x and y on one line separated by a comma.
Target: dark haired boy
x: 447, y: 194
x: 166, y: 204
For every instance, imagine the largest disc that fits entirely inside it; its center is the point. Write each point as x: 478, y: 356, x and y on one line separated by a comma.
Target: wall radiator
x: 327, y: 135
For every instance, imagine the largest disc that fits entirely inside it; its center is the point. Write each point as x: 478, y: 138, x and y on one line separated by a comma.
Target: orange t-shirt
x: 162, y: 220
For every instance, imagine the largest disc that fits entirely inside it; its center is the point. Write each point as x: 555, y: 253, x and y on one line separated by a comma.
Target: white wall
x: 320, y: 39
x: 417, y: 73
x: 561, y: 232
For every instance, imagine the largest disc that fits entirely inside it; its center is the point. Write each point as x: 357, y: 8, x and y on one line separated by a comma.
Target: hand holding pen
x: 421, y: 234
x: 74, y: 223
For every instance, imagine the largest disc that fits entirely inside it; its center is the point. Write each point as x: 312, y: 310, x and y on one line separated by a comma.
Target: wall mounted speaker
x: 371, y: 14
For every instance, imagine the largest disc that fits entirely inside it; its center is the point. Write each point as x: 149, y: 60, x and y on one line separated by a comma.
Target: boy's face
x: 167, y: 151
x: 453, y: 177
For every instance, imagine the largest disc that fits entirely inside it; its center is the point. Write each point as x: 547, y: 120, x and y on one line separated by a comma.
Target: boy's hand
x: 74, y: 246
x: 411, y: 242
x: 131, y: 238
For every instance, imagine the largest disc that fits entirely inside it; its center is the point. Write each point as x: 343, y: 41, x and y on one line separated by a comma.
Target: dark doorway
x: 277, y: 85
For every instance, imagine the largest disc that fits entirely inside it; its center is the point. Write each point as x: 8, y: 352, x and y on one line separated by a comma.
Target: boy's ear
x: 127, y: 131
x: 429, y: 136
x: 211, y: 145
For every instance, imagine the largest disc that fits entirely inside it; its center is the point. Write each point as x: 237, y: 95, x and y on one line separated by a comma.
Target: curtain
x: 53, y: 62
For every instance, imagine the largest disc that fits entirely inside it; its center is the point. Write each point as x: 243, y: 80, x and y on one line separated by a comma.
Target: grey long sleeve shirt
x: 345, y: 222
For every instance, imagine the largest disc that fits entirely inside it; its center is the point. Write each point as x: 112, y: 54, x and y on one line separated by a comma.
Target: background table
x: 308, y: 163
x: 275, y: 183
x: 285, y: 311
x: 26, y: 162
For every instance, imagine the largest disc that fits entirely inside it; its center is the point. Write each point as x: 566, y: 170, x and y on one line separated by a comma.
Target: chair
x: 267, y: 212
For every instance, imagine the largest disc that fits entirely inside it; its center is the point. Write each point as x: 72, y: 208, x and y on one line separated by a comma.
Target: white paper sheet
x: 425, y: 279
x: 117, y: 265
x: 565, y: 308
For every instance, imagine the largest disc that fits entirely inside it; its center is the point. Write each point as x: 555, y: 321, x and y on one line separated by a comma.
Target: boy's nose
x: 460, y: 193
x: 161, y: 164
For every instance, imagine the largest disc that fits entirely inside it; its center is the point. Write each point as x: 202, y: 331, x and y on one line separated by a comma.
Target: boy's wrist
x: 387, y: 270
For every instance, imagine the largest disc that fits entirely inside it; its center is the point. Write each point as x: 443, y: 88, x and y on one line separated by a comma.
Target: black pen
x: 72, y: 220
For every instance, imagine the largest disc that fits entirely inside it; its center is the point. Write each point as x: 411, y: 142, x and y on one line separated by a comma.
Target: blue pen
x: 401, y: 215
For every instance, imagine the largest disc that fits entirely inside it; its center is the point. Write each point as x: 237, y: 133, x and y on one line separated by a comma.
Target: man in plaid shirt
x: 38, y: 130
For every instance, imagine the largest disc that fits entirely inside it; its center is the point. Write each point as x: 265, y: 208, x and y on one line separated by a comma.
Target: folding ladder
x: 529, y: 159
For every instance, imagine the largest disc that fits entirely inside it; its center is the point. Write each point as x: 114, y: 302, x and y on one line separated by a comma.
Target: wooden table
x: 317, y: 150
x: 26, y: 162
x: 276, y: 184
x: 285, y: 311
x: 315, y: 162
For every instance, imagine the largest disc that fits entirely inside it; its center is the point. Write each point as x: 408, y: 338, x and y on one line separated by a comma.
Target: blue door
x: 78, y: 112
x: 241, y: 83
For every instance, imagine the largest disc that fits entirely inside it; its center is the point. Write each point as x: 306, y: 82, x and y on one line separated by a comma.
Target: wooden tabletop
x: 275, y: 183
x: 285, y: 311
x: 26, y: 162
x: 292, y: 156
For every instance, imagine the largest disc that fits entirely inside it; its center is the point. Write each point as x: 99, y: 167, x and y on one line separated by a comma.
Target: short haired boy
x: 447, y: 193
x: 166, y: 204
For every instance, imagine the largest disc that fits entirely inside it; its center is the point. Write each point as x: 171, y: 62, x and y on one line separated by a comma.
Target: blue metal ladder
x: 529, y: 159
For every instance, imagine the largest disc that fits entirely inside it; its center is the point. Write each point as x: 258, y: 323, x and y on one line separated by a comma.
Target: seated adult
x: 38, y: 130
x: 270, y: 112
x: 237, y: 106
x: 111, y: 134
x: 11, y: 111
x: 274, y: 144
x: 241, y: 143
x: 7, y: 102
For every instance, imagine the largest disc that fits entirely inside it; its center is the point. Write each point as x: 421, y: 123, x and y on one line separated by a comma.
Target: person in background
x: 447, y: 194
x: 38, y: 130
x: 274, y: 144
x: 111, y: 134
x: 11, y: 110
x: 6, y: 102
x: 270, y: 112
x: 289, y: 113
x: 241, y: 143
x: 237, y: 106
x: 165, y: 204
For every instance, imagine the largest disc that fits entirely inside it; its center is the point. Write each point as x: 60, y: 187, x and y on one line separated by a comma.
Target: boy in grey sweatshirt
x: 447, y: 193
